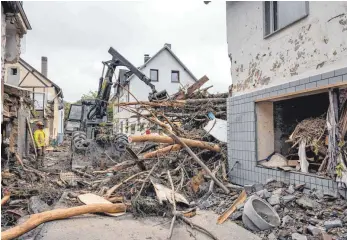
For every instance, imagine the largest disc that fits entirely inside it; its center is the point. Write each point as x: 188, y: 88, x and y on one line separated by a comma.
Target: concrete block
x: 311, y: 85
x: 290, y: 90
x: 315, y: 78
x: 334, y: 80
x: 328, y: 74
x: 341, y: 71
x: 286, y: 85
x: 345, y: 78
x: 283, y: 91
x: 323, y: 82
x: 299, y: 87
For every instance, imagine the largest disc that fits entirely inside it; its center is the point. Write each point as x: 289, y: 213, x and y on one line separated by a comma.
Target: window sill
x: 284, y: 27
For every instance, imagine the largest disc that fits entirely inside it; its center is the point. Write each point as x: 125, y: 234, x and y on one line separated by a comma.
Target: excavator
x: 92, y: 133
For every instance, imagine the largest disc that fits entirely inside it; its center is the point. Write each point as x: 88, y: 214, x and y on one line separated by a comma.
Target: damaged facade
x: 14, y: 25
x: 288, y: 64
x: 45, y: 94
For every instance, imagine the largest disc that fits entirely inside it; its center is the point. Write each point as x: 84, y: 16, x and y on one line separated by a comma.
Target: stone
x: 328, y: 193
x: 297, y: 236
x: 306, y: 191
x: 263, y: 193
x: 248, y: 188
x: 344, y: 220
x: 315, y: 231
x: 272, y: 236
x: 274, y: 200
x: 318, y: 194
x: 313, y: 221
x: 333, y: 214
x: 325, y: 236
x: 287, y: 220
x: 290, y: 189
x: 288, y: 198
x: 306, y: 202
x: 277, y: 191
x: 277, y: 207
x: 283, y: 233
x: 332, y: 224
x: 257, y: 187
x: 270, y: 180
x: 36, y: 205
x: 236, y: 216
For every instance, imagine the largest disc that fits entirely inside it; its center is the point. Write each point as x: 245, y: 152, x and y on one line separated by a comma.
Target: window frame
x: 12, y: 70
x: 272, y: 24
x: 156, y: 70
x: 178, y: 73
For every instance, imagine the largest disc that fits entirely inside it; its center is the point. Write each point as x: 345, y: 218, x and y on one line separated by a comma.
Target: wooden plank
x: 293, y: 163
x: 193, y: 87
x: 302, y: 92
x: 31, y: 135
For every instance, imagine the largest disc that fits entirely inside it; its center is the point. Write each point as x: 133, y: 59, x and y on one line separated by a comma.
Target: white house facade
x: 166, y: 71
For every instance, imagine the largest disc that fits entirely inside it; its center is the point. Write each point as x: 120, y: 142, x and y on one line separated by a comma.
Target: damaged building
x: 287, y: 111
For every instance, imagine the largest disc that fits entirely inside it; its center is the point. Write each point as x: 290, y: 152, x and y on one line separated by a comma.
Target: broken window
x: 278, y: 15
x: 175, y: 76
x: 154, y: 75
x: 39, y: 99
x: 292, y: 134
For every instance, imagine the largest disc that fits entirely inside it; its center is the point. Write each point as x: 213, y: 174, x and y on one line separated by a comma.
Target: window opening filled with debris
x: 293, y: 134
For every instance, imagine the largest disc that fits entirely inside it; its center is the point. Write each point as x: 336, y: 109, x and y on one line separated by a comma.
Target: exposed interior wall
x: 265, y: 129
x: 311, y: 46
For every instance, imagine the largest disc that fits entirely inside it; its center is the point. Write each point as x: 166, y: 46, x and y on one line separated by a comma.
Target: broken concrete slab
x: 306, y: 202
x: 332, y: 224
x: 288, y: 198
x: 315, y: 231
x: 287, y: 220
x: 274, y: 199
x: 297, y: 236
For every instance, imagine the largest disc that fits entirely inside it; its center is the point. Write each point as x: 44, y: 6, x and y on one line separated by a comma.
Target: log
x: 165, y: 139
x: 57, y: 214
x: 162, y: 151
x: 5, y: 199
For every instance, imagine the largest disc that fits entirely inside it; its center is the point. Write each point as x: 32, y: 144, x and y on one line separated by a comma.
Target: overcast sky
x: 76, y: 36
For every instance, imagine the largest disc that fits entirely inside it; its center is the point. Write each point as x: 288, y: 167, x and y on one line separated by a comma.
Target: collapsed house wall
x: 314, y: 44
x: 243, y: 141
x: 17, y: 105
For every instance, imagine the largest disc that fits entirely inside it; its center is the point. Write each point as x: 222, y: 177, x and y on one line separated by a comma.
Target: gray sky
x: 75, y: 36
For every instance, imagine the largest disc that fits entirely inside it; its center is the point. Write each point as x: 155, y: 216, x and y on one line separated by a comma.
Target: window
x: 132, y: 128
x: 75, y: 112
x: 175, y: 76
x: 39, y: 101
x: 154, y: 75
x: 278, y: 15
x: 14, y: 71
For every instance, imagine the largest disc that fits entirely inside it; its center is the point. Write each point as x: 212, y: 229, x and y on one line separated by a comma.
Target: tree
x: 67, y: 106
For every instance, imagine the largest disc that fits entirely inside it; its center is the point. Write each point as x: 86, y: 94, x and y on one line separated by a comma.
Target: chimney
x: 146, y: 58
x: 44, y: 61
x: 168, y: 45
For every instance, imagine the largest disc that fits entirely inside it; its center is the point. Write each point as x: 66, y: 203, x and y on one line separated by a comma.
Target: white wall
x: 310, y: 46
x: 165, y: 63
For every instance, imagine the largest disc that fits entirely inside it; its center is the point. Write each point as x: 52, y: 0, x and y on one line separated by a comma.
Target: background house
x: 285, y: 57
x: 165, y: 70
x: 47, y: 97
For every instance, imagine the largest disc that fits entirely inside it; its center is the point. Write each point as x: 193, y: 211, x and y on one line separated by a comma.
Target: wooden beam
x: 193, y: 87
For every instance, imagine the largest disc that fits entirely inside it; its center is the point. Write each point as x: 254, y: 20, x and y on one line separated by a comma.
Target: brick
x: 315, y: 78
x: 311, y: 85
x: 300, y: 87
x: 341, y: 71
x: 322, y: 82
x: 334, y: 80
x: 328, y: 75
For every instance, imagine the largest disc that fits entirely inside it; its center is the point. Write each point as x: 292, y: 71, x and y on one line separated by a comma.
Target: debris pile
x: 304, y: 213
